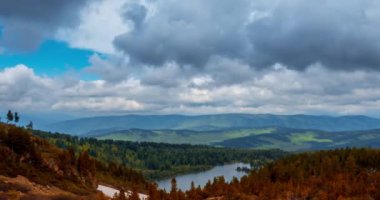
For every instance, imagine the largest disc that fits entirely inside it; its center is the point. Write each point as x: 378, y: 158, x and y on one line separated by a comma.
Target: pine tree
x: 30, y: 125
x: 192, y: 192
x: 152, y: 192
x: 16, y: 117
x: 173, y: 191
x: 86, y: 165
x: 9, y: 116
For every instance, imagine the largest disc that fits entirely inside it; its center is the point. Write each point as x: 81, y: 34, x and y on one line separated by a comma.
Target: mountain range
x: 106, y: 124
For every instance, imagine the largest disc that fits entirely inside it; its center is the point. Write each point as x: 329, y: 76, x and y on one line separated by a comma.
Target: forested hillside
x: 106, y: 124
x: 159, y: 160
x: 325, y: 175
x: 287, y: 139
x: 74, y: 174
x: 304, y: 140
x: 74, y: 170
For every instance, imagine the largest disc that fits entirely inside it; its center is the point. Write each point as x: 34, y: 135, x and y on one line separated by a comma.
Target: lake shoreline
x: 201, y: 178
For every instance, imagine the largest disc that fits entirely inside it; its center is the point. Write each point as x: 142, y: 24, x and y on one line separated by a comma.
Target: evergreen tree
x: 86, y: 165
x: 9, y: 116
x: 30, y: 125
x: 173, y: 191
x: 16, y: 117
x: 18, y: 140
x: 152, y: 191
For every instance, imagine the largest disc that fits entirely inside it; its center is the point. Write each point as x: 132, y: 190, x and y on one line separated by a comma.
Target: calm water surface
x: 201, y: 178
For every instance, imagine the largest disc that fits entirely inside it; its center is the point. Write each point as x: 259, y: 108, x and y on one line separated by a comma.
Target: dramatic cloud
x: 136, y: 13
x: 339, y: 34
x: 280, y: 90
x: 186, y: 32
x: 296, y: 33
x: 26, y: 24
x: 214, y: 56
x: 112, y: 69
x: 21, y: 88
x: 100, y: 22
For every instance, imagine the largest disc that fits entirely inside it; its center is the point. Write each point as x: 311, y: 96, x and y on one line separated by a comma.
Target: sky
x: 108, y: 57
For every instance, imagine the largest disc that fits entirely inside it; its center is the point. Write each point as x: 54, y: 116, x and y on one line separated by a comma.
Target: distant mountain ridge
x: 213, y: 122
x: 287, y: 139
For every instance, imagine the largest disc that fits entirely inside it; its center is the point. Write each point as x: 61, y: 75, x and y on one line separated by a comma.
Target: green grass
x: 264, y: 131
x: 258, y: 138
x: 179, y: 137
x: 299, y: 138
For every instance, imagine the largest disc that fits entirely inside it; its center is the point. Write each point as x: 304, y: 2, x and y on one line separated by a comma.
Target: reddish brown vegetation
x: 325, y: 175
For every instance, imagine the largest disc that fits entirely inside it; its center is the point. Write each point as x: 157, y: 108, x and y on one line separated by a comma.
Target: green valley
x: 254, y: 138
x: 160, y: 160
x: 184, y: 136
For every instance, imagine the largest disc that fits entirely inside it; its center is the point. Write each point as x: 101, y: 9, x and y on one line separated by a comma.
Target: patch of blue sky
x: 53, y: 58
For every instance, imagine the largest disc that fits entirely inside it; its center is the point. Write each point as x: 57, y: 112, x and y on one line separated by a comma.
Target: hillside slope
x: 182, y: 136
x: 287, y: 139
x: 161, y: 160
x: 305, y: 140
x: 212, y: 122
x: 29, y: 162
x: 350, y: 174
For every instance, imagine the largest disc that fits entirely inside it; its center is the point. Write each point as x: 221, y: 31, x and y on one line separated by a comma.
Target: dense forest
x: 76, y: 168
x: 324, y: 175
x: 160, y: 160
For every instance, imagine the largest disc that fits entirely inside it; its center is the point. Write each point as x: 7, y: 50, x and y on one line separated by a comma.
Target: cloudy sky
x: 101, y: 57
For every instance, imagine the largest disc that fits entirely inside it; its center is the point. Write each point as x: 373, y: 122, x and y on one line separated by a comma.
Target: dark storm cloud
x: 26, y: 23
x: 188, y: 32
x: 339, y: 34
x: 18, y: 37
x: 136, y: 13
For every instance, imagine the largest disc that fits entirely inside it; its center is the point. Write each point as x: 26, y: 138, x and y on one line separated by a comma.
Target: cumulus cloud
x: 280, y: 90
x: 20, y: 87
x: 112, y: 68
x: 187, y: 32
x: 263, y: 56
x: 26, y: 24
x: 99, y: 23
x: 338, y: 34
x: 99, y: 104
x: 136, y: 13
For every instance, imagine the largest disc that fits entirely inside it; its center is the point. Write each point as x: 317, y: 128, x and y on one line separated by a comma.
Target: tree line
x: 15, y: 117
x: 160, y: 160
x: 324, y: 175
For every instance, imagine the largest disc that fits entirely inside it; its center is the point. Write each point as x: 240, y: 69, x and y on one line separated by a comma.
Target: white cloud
x: 21, y: 88
x: 317, y: 90
x: 202, y: 80
x: 100, y: 23
x: 112, y: 69
x: 92, y: 104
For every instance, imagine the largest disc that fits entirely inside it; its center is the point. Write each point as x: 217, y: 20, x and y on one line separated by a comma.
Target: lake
x: 201, y: 178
